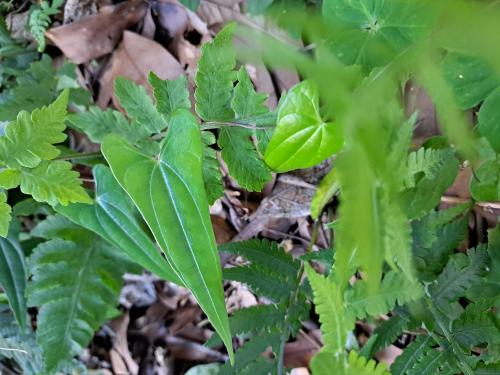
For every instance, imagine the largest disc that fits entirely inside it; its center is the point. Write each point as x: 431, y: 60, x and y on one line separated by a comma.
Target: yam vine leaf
x: 302, y: 138
x: 168, y: 191
x: 112, y: 217
x: 74, y: 284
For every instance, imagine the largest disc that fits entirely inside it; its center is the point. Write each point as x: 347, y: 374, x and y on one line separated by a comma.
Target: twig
x: 84, y: 155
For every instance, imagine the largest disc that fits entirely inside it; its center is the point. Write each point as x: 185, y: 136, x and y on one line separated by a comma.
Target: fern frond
x: 215, y: 77
x: 425, y: 160
x: 385, y: 334
x: 261, y: 281
x: 5, y: 215
x: 411, y: 355
x: 169, y: 94
x: 429, y: 364
x: 31, y: 138
x: 265, y: 254
x: 39, y: 20
x: 326, y: 363
x: 395, y: 289
x: 250, y: 352
x: 361, y: 366
x: 476, y: 326
x: 74, y: 284
x: 253, y: 319
x: 453, y: 282
x: 329, y: 304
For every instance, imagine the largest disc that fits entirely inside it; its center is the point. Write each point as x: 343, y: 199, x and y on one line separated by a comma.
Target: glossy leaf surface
x: 302, y: 139
x: 169, y: 193
x: 112, y: 218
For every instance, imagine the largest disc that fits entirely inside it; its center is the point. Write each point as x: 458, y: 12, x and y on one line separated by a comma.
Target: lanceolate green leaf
x: 169, y: 94
x: 29, y: 140
x: 215, y: 77
x: 112, y: 217
x: 170, y: 195
x: 302, y: 139
x: 13, y: 277
x: 139, y: 105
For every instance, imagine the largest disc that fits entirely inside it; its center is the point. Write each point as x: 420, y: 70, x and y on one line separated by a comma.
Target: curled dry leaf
x: 134, y: 59
x: 96, y: 35
x: 217, y: 12
x: 121, y: 359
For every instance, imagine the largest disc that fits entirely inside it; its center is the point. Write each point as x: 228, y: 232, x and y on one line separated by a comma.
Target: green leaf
x: 29, y: 140
x: 489, y: 120
x: 261, y: 318
x: 329, y: 305
x: 262, y: 281
x: 265, y: 254
x: 395, y: 289
x: 5, y: 215
x: 453, y: 282
x: 212, y: 175
x: 249, y: 352
x: 327, y: 188
x: 139, y: 106
x: 191, y: 4
x: 411, y: 355
x: 113, y: 218
x: 169, y: 94
x: 485, y: 184
x: 258, y: 6
x: 470, y: 78
x: 302, y: 139
x: 73, y: 284
x: 169, y: 193
x: 10, y: 178
x: 54, y: 182
x: 429, y: 363
x: 371, y: 33
x: 215, y: 76
x: 247, y: 103
x: 476, y: 326
x: 97, y: 123
x: 13, y: 277
x: 387, y: 332
x: 243, y: 162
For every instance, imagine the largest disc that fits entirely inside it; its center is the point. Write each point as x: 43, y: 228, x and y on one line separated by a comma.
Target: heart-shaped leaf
x: 169, y: 192
x: 302, y: 139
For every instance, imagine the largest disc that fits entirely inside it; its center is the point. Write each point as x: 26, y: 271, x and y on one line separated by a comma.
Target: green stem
x: 218, y: 124
x: 83, y: 155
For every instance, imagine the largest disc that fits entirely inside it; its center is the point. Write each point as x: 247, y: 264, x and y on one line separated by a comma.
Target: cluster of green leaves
x: 275, y: 277
x: 39, y: 19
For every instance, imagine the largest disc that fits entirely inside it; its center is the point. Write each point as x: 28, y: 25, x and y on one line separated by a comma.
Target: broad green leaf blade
x: 489, y: 120
x: 54, y: 182
x: 97, y: 124
x: 112, y: 218
x: 215, y: 76
x: 169, y: 94
x: 5, y: 215
x: 74, y: 284
x: 139, y: 105
x: 212, y: 175
x: 302, y: 139
x: 29, y: 140
x: 470, y: 78
x: 372, y: 32
x: 169, y: 193
x: 13, y: 277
